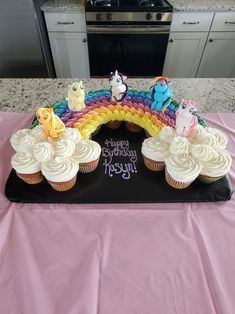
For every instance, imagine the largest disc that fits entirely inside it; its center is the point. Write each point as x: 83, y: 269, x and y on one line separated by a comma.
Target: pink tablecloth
x: 116, y: 259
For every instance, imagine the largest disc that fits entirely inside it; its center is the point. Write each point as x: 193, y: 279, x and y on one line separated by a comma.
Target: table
x: 115, y: 259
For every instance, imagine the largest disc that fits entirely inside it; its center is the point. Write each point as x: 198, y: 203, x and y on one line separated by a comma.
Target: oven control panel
x: 150, y: 17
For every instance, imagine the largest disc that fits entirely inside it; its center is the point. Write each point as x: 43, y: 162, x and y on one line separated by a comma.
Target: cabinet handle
x: 65, y: 23
x: 211, y: 40
x: 84, y: 40
x: 229, y: 22
x: 191, y: 23
x: 171, y: 40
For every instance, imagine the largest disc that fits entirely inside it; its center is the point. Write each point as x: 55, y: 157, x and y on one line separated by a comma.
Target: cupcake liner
x: 63, y: 186
x: 132, y: 127
x: 176, y: 184
x: 154, y: 165
x: 32, y: 178
x: 208, y: 179
x: 89, y: 166
x: 114, y: 124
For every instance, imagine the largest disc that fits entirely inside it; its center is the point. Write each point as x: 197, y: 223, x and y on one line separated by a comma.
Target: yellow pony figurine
x: 76, y: 96
x: 53, y: 125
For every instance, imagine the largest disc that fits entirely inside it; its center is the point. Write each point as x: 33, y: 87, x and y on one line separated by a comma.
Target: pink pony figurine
x: 185, y: 120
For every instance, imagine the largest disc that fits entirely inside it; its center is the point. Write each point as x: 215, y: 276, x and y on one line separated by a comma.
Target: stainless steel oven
x: 133, y: 40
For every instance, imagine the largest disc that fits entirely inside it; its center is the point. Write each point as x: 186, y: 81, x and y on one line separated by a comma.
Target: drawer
x: 224, y: 22
x: 191, y: 22
x: 65, y: 22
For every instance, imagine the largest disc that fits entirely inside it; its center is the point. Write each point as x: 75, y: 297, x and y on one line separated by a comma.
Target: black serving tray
x: 120, y: 179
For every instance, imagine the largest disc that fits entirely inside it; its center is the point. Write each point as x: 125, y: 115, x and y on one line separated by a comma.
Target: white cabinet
x: 70, y: 54
x: 184, y: 53
x: 219, y: 56
x: 191, y: 22
x: 187, y: 41
x: 68, y: 40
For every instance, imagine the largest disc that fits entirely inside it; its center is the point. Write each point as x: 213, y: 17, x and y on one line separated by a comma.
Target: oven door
x: 137, y: 51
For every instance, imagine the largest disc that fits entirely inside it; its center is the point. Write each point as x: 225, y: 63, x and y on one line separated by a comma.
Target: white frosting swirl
x: 209, y: 139
x: 27, y: 143
x: 71, y: 134
x: 155, y: 149
x: 197, y: 134
x: 39, y: 133
x: 60, y: 170
x: 203, y: 153
x: 183, y: 168
x: 16, y: 138
x: 167, y: 134
x: 86, y: 151
x: 179, y: 145
x: 220, y: 136
x: 43, y: 151
x: 24, y: 163
x: 219, y: 165
x: 64, y: 148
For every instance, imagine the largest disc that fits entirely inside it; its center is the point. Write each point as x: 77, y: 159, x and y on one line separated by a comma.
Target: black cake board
x: 121, y: 177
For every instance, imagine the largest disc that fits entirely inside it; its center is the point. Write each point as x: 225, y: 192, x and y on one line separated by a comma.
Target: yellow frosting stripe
x: 102, y: 115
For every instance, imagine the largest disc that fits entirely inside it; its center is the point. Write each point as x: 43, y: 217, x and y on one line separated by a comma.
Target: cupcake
x: 210, y: 140
x: 179, y: 145
x: 197, y: 135
x: 216, y: 168
x: 64, y: 148
x: 154, y: 153
x: 22, y: 141
x: 132, y: 127
x: 60, y: 173
x: 87, y: 154
x: 181, y: 170
x: 43, y: 151
x: 203, y: 153
x: 72, y: 134
x: 27, y: 168
x: 114, y: 124
x: 167, y: 134
x: 222, y: 139
x: 38, y: 133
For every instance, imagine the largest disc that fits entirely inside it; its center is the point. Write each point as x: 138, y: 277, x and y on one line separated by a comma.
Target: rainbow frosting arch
x: 136, y: 108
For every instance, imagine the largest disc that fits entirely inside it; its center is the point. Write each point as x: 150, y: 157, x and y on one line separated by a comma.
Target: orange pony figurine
x: 53, y: 125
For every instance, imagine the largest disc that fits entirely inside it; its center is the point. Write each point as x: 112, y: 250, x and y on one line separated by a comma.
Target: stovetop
x: 128, y: 6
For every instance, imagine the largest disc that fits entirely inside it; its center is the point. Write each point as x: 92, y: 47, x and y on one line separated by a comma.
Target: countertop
x: 211, y: 95
x: 203, y: 5
x: 62, y: 5
x: 179, y: 5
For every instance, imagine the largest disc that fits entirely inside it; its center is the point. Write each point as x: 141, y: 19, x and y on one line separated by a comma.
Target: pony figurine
x: 185, y: 120
x: 118, y: 88
x: 161, y: 93
x: 76, y: 96
x: 53, y: 126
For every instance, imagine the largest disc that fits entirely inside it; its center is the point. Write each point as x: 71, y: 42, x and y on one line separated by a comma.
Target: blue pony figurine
x: 161, y: 93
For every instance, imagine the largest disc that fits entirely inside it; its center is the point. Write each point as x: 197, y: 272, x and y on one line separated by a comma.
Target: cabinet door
x: 219, y: 56
x: 183, y: 55
x: 70, y: 54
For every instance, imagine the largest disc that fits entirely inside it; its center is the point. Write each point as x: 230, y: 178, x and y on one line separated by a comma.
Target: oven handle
x: 111, y: 29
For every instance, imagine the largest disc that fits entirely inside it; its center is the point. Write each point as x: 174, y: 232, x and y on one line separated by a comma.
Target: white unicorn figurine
x: 118, y: 88
x: 76, y: 96
x: 185, y: 120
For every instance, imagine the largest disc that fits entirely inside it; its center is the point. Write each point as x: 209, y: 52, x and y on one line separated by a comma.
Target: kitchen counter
x: 203, y: 5
x: 179, y: 5
x: 62, y: 5
x: 211, y: 95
